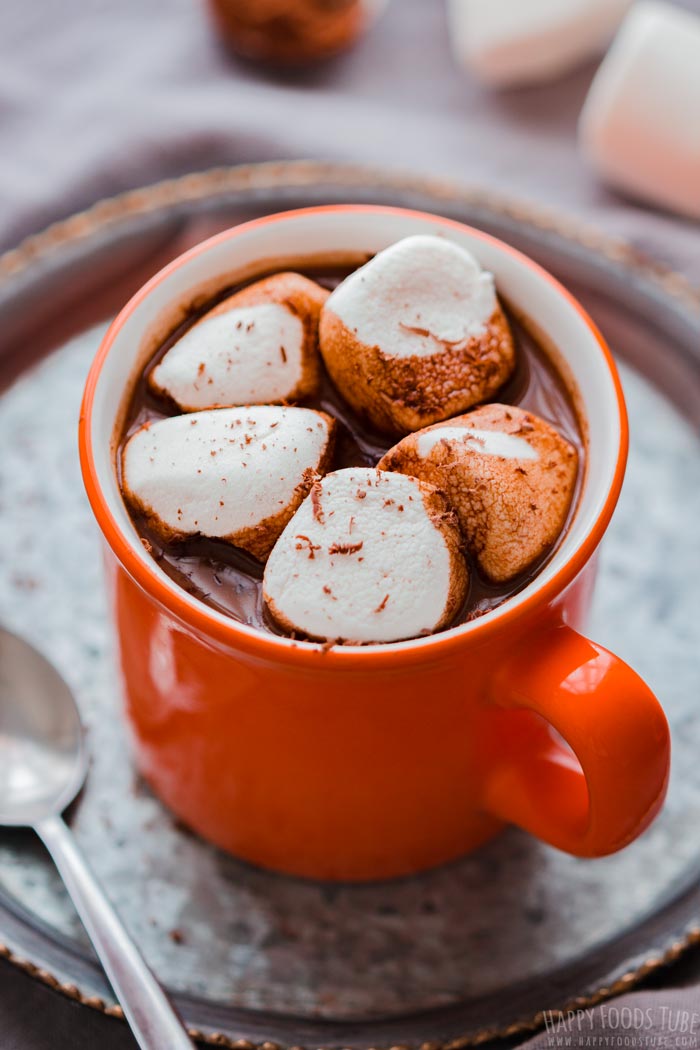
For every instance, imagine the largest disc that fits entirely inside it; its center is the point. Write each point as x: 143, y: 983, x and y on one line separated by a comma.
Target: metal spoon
x: 43, y: 763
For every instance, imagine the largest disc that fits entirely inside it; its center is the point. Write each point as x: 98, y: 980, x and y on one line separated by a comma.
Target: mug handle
x: 604, y: 795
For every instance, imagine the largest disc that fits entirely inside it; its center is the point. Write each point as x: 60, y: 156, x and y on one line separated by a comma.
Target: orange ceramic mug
x: 368, y: 762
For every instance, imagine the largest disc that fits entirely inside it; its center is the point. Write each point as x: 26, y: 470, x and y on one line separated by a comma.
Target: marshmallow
x: 507, y: 42
x: 416, y: 335
x: 257, y: 346
x: 233, y: 474
x: 640, y: 125
x: 368, y: 557
x: 509, y: 476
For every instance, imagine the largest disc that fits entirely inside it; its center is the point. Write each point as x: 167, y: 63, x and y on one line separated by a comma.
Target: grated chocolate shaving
x: 310, y: 547
x: 345, y: 548
x: 316, y: 502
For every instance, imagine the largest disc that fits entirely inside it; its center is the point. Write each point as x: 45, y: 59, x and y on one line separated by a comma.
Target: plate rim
x: 660, y: 280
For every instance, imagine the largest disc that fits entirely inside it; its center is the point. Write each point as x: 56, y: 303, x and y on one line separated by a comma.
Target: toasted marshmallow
x: 233, y: 474
x: 640, y: 125
x: 258, y: 346
x: 416, y: 335
x: 509, y: 476
x: 508, y: 42
x: 368, y: 557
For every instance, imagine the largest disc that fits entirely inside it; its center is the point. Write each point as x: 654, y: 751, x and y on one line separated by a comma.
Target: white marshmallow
x: 509, y: 476
x: 368, y: 557
x: 256, y: 346
x: 416, y: 335
x: 507, y: 42
x: 414, y: 296
x: 482, y: 442
x: 242, y: 357
x: 640, y: 125
x: 236, y: 473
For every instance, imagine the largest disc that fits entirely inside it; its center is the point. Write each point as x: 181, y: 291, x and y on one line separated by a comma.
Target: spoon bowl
x: 43, y: 760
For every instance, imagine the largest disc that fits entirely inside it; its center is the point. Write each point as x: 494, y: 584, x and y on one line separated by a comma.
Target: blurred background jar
x: 293, y: 32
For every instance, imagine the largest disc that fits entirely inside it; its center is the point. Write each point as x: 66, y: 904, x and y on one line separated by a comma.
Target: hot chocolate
x: 215, y: 565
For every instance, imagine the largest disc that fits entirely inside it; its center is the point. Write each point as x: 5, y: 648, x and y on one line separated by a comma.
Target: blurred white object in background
x: 640, y: 125
x: 508, y: 42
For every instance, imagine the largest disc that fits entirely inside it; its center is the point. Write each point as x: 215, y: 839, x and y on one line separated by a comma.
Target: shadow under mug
x: 377, y: 761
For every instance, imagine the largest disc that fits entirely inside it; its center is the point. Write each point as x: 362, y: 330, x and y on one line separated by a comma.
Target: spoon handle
x: 150, y: 1013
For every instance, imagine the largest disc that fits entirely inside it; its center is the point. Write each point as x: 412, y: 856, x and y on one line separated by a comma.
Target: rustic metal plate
x: 471, y: 950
